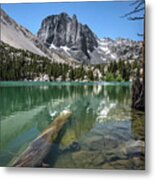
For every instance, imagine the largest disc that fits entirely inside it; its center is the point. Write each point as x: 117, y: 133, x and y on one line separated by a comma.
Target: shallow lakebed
x: 104, y: 132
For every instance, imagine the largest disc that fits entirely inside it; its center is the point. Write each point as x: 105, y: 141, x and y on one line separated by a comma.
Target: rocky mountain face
x: 16, y: 35
x: 19, y: 37
x: 62, y: 31
x: 66, y: 35
x: 114, y: 50
x: 64, y: 40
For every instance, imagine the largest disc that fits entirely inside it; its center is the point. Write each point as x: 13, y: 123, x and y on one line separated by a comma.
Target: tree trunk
x: 37, y: 150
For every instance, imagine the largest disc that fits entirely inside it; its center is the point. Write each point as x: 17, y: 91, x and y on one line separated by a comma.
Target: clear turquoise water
x: 102, y: 122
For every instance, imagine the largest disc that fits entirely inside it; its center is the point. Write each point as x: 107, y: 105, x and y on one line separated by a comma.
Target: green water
x: 103, y: 132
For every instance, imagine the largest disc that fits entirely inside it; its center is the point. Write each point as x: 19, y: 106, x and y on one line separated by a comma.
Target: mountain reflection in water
x: 104, y: 132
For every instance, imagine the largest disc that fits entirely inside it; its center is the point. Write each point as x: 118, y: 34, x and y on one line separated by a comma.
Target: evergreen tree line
x: 17, y: 64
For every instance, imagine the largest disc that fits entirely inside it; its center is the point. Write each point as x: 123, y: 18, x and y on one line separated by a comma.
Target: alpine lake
x: 103, y: 132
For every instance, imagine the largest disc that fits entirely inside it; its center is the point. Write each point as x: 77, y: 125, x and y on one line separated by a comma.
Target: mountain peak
x: 63, y: 30
x: 66, y: 40
x: 63, y: 14
x: 74, y: 17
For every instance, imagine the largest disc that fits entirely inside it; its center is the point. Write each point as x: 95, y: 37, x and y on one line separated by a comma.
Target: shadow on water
x: 54, y: 152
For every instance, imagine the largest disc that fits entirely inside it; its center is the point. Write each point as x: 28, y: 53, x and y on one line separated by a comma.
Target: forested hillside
x: 18, y: 64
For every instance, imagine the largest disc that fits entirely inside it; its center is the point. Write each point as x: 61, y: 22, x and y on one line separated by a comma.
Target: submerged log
x: 40, y: 147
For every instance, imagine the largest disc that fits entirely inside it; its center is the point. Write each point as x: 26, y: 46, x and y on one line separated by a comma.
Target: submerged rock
x: 135, y: 148
x: 75, y: 146
x: 88, y: 159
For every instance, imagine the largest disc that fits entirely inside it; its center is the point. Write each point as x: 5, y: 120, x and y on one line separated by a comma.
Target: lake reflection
x: 102, y: 118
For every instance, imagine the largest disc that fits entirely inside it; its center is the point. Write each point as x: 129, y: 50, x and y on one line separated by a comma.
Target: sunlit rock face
x: 66, y: 35
x: 63, y: 31
x: 16, y: 35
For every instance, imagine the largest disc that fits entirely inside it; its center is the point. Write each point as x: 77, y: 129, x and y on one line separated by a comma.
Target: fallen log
x: 38, y: 149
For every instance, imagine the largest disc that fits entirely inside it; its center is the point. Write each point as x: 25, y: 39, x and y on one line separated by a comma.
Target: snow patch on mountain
x: 52, y: 46
x: 114, y: 50
x: 66, y: 49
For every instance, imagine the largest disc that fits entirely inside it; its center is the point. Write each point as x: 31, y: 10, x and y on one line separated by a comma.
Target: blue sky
x: 102, y: 17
